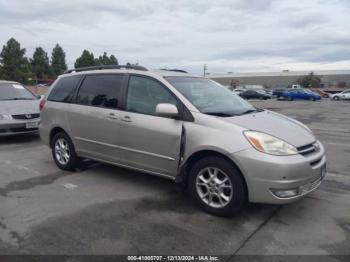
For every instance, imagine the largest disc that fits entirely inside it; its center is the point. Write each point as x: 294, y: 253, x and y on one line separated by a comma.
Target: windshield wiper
x: 249, y: 111
x: 222, y: 114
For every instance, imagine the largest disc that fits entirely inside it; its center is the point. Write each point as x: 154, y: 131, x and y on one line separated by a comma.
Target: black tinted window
x: 145, y: 94
x: 101, y: 91
x: 63, y: 90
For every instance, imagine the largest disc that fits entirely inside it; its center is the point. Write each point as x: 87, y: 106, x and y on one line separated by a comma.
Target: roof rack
x: 101, y: 67
x: 175, y: 70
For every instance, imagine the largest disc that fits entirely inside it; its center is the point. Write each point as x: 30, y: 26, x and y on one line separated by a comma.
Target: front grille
x: 307, y: 149
x: 17, y: 129
x: 26, y: 116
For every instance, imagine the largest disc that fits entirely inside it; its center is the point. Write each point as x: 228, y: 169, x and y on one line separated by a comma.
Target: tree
x: 310, y: 81
x: 40, y: 64
x: 86, y: 59
x: 113, y: 60
x: 106, y: 60
x: 14, y: 65
x: 58, y: 60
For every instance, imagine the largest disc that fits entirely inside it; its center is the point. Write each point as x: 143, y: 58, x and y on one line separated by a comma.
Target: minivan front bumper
x: 280, y: 179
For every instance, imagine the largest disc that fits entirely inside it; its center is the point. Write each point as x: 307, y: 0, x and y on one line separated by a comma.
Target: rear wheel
x: 217, y: 186
x: 290, y: 98
x: 336, y: 98
x: 312, y: 99
x: 63, y: 152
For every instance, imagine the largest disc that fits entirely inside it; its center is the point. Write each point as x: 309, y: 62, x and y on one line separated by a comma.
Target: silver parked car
x: 189, y: 129
x: 19, y: 109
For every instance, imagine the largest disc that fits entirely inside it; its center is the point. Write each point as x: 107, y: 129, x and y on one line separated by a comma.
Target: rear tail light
x: 42, y: 104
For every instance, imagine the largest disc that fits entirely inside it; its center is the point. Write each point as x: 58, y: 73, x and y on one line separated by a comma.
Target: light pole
x: 204, y: 69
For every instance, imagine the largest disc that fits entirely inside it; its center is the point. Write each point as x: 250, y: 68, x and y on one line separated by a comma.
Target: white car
x: 342, y: 95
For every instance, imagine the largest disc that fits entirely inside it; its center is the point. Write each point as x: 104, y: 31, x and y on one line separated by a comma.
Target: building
x: 329, y: 78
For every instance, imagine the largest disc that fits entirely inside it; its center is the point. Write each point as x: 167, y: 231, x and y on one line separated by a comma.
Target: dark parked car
x: 302, y: 94
x: 257, y: 94
x: 278, y: 92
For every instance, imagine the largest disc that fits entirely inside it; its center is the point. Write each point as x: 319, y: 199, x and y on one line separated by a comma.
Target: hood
x: 19, y: 107
x: 276, y: 125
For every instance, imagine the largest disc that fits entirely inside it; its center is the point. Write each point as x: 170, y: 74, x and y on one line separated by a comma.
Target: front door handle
x: 126, y: 119
x: 112, y: 116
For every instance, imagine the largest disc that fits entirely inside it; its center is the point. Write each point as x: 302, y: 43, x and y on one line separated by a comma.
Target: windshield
x: 210, y: 97
x: 13, y: 91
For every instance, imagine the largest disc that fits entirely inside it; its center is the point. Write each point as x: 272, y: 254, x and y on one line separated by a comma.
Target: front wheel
x: 336, y: 98
x: 63, y: 152
x: 217, y: 186
x: 290, y: 98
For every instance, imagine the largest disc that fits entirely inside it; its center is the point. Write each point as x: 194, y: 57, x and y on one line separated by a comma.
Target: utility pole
x: 204, y: 69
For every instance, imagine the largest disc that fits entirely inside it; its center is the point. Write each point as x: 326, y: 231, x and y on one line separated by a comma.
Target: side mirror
x: 167, y: 110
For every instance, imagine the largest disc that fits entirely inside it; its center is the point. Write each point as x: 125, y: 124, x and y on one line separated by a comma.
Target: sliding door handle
x: 126, y: 119
x: 112, y: 116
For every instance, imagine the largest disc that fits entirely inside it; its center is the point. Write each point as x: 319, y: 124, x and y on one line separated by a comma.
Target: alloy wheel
x: 214, y: 187
x: 62, y: 152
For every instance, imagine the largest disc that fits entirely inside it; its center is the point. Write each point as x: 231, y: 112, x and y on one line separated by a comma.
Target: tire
x: 336, y: 98
x: 289, y: 98
x: 232, y: 192
x: 63, y: 152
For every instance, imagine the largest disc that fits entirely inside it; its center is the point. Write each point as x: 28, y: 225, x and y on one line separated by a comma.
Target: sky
x: 227, y: 35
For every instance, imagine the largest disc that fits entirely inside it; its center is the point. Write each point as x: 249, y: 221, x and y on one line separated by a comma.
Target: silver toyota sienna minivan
x: 185, y: 128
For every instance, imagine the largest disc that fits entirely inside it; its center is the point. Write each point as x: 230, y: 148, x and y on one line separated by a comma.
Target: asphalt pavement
x: 102, y: 209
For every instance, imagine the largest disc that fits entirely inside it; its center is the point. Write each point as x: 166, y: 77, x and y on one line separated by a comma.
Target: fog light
x: 285, y: 193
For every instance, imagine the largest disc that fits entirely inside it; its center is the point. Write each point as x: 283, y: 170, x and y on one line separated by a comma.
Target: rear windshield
x: 14, y: 91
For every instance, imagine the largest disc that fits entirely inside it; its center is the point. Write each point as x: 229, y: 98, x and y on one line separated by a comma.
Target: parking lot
x: 102, y: 209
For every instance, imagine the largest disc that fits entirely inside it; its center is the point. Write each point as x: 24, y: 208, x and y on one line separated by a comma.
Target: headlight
x: 270, y: 144
x: 5, y: 117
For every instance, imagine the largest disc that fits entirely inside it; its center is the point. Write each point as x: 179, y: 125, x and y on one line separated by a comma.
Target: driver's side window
x: 145, y: 94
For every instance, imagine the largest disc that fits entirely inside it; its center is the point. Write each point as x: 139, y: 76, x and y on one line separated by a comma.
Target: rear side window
x: 63, y: 90
x: 101, y: 91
